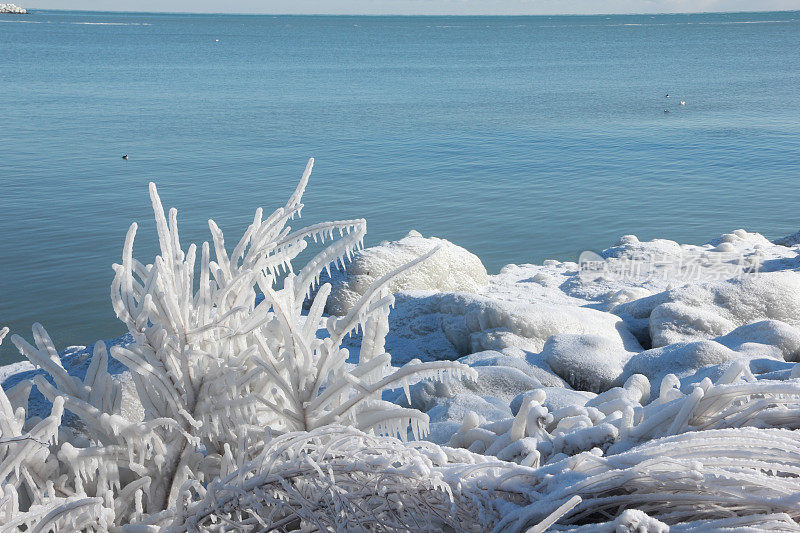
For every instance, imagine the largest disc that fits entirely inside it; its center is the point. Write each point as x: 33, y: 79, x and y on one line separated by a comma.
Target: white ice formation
x: 654, y: 388
x: 12, y: 9
x: 213, y: 365
x: 451, y: 269
x: 353, y: 481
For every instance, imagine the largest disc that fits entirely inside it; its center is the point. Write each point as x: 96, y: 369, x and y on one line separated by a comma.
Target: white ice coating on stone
x: 12, y: 9
x: 451, y: 269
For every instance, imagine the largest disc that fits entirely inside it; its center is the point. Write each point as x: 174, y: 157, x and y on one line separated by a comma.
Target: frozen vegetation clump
x: 354, y: 481
x: 540, y: 398
x: 214, y: 368
x: 29, y: 499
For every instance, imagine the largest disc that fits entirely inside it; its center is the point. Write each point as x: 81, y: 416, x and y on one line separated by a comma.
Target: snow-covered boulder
x: 684, y: 359
x: 766, y: 338
x: 502, y: 383
x: 587, y: 362
x: 533, y: 365
x: 764, y: 347
x: 451, y: 269
x: 12, y: 9
x: 708, y: 310
x: 474, y: 323
x: 451, y: 325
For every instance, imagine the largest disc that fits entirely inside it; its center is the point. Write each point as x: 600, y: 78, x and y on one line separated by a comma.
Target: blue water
x: 520, y: 138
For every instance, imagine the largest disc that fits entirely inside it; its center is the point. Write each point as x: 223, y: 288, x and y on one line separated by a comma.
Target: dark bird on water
x: 125, y: 156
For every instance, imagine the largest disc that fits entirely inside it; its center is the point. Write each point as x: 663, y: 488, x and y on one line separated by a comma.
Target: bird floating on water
x: 125, y: 156
x: 667, y: 96
x: 666, y: 111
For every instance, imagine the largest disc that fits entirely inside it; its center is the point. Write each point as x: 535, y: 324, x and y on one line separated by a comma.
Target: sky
x: 418, y: 7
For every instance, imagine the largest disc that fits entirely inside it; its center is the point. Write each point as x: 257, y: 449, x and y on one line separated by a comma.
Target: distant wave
x: 745, y: 22
x: 111, y: 23
x: 83, y: 23
x: 720, y: 23
x: 711, y: 23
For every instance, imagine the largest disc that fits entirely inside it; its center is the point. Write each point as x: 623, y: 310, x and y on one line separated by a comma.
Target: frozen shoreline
x: 650, y: 352
x: 560, y: 328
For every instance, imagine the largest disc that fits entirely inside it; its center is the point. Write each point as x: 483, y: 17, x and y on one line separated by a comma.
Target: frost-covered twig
x: 29, y: 500
x: 698, y: 475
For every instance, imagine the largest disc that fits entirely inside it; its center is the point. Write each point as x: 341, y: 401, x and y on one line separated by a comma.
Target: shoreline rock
x: 11, y: 9
x: 451, y: 269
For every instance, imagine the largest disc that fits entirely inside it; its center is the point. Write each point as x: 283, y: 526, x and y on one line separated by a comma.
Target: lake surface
x: 519, y: 138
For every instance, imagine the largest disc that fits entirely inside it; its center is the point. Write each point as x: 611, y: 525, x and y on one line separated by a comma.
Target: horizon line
x: 247, y: 13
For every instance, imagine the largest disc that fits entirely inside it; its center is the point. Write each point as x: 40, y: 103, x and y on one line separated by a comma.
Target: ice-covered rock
x: 587, y: 362
x: 12, y: 9
x: 530, y: 364
x: 451, y: 269
x: 683, y: 359
x: 501, y: 383
x: 660, y: 264
x: 492, y: 324
x: 765, y: 346
x: 766, y: 338
x: 477, y: 322
x: 710, y: 309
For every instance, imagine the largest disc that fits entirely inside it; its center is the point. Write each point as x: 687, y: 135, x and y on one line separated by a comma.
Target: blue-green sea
x: 519, y: 138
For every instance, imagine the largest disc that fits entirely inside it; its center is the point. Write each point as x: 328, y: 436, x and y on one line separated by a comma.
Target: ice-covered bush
x: 337, y: 478
x: 702, y: 475
x: 221, y: 354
